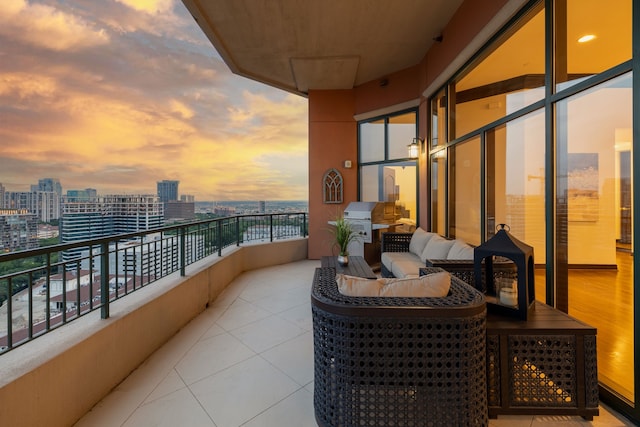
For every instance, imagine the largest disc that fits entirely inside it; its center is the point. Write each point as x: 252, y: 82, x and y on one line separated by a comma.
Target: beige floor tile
x: 179, y: 408
x: 236, y: 395
x: 300, y: 316
x: 266, y: 333
x: 294, y: 411
x: 241, y: 313
x: 212, y: 355
x: 170, y: 384
x: 294, y: 358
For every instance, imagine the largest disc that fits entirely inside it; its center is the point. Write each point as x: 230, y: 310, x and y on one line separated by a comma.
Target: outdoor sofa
x: 401, y: 361
x: 404, y: 254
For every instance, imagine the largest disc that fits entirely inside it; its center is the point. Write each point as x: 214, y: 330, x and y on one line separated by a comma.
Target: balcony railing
x: 45, y: 288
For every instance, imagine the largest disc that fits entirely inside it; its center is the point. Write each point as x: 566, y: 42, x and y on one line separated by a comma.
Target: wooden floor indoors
x: 603, y: 298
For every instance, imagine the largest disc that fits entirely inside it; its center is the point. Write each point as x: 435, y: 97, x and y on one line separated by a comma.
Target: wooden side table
x: 544, y: 365
x: 357, y: 266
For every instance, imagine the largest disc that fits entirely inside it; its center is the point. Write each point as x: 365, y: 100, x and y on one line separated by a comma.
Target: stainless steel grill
x: 360, y: 215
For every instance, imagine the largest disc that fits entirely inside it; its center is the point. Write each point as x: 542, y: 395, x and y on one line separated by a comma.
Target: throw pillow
x: 419, y: 240
x: 460, y: 250
x: 431, y: 285
x: 357, y: 286
x: 437, y: 248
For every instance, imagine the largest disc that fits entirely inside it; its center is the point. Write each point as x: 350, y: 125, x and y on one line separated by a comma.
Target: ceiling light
x: 586, y: 38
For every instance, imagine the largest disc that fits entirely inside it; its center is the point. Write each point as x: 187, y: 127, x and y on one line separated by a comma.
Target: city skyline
x: 120, y: 94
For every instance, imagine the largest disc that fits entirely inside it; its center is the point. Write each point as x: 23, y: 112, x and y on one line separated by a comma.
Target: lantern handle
x: 504, y: 227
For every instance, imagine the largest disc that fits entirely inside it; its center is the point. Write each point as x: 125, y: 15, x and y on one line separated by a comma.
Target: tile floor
x: 247, y: 361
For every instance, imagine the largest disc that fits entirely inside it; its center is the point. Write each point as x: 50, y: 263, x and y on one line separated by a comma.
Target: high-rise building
x: 44, y: 204
x: 94, y: 217
x: 187, y: 198
x: 168, y: 190
x: 1, y: 196
x: 18, y: 230
x: 48, y: 184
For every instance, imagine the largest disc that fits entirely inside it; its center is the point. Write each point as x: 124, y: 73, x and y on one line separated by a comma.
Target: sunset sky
x: 119, y: 94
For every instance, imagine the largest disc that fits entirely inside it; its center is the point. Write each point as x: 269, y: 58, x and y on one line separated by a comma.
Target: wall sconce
x: 414, y: 148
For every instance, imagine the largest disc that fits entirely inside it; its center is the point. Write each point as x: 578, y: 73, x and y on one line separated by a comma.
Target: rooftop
x: 248, y: 361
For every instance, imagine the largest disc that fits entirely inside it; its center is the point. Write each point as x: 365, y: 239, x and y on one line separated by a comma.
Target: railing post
x: 238, y: 231
x: 104, y: 280
x: 271, y: 226
x: 304, y: 224
x: 183, y: 251
x: 219, y: 237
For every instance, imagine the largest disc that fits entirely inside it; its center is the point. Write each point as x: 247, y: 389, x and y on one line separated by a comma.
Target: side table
x: 544, y: 365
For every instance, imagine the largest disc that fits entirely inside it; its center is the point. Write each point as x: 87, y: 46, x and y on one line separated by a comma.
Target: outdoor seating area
x: 259, y: 332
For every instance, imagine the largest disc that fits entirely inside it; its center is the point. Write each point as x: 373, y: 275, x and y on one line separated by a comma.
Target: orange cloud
x: 45, y: 26
x: 149, y: 6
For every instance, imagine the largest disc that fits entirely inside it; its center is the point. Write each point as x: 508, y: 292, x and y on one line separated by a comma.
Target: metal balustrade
x: 48, y: 289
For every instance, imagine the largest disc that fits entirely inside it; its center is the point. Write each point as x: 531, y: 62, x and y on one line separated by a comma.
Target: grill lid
x: 365, y: 210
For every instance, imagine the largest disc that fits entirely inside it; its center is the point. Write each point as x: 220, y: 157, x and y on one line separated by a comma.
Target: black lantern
x: 510, y: 294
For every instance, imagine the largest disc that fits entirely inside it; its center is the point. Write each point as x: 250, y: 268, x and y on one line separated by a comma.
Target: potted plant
x: 343, y: 234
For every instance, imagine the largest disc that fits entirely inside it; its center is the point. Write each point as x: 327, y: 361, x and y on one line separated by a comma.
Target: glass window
x: 386, y: 172
x: 594, y: 147
x: 593, y: 36
x: 507, y: 78
x: 464, y: 191
x: 515, y: 194
x: 402, y: 130
x: 391, y: 182
x: 438, y: 192
x: 372, y: 136
x: 438, y: 119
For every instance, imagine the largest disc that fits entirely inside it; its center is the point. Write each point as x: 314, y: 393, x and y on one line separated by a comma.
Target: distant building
x: 224, y: 210
x: 46, y: 231
x: 108, y: 215
x: 44, y: 204
x: 85, y: 195
x: 1, y: 196
x: 179, y: 210
x: 48, y: 184
x: 18, y: 230
x: 187, y: 198
x: 262, y: 206
x: 168, y: 190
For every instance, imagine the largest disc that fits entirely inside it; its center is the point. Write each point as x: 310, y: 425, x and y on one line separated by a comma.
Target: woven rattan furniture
x: 462, y: 269
x: 381, y: 361
x: 544, y: 365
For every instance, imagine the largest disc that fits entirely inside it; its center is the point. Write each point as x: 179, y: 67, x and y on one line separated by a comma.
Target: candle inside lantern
x: 509, y: 296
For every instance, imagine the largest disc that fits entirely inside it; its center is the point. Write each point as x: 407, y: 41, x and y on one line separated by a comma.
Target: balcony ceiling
x: 299, y: 45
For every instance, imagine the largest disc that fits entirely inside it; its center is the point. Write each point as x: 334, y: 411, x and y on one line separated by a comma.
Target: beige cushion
x: 390, y: 258
x: 405, y: 268
x: 460, y: 250
x: 357, y: 286
x: 437, y: 248
x: 432, y: 285
x: 419, y: 240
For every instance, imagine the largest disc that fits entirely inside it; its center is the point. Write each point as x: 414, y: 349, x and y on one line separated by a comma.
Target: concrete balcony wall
x: 57, y: 378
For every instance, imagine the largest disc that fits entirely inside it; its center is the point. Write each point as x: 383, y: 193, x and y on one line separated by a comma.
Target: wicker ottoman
x: 398, y: 361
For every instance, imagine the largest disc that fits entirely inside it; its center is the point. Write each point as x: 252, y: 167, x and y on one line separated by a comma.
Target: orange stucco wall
x: 332, y: 140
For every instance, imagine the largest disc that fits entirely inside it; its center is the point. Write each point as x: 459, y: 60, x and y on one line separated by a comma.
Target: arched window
x: 332, y: 186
